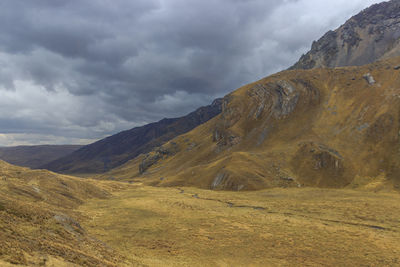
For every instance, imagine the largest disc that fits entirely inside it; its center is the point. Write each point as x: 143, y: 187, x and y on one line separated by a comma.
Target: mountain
x: 308, y: 126
x: 117, y: 149
x: 39, y: 224
x: 371, y: 35
x: 35, y: 156
x: 322, y: 127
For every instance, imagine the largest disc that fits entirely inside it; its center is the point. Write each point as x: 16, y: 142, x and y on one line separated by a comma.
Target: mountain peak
x: 371, y: 35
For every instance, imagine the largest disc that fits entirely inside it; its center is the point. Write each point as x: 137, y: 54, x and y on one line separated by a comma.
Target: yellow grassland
x: 158, y: 226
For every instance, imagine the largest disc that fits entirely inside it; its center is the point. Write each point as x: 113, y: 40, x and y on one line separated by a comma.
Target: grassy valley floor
x: 157, y: 226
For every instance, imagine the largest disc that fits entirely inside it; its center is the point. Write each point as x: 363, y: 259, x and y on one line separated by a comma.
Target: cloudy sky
x: 73, y: 71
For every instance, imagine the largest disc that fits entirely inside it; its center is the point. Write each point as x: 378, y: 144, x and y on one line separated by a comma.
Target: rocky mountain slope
x: 322, y: 127
x: 371, y: 35
x: 117, y: 149
x: 35, y: 156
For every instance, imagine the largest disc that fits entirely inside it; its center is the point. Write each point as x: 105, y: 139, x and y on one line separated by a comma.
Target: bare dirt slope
x: 323, y: 127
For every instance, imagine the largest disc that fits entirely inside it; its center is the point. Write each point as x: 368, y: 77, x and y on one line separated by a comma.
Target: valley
x: 299, y: 168
x: 281, y: 227
x: 47, y: 219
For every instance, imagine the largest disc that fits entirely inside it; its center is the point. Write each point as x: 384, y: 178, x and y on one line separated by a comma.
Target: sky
x: 72, y: 72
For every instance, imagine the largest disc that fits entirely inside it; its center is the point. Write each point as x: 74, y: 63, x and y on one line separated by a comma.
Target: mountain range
x: 117, y: 149
x: 35, y: 156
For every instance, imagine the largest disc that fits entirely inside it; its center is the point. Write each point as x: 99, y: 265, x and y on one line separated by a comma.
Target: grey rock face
x: 371, y: 35
x: 368, y: 77
x: 287, y: 98
x: 218, y: 180
x: 148, y: 161
x: 158, y: 153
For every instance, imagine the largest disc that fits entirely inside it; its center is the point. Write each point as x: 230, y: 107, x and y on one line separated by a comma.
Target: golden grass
x: 38, y: 222
x: 48, y: 219
x: 280, y: 227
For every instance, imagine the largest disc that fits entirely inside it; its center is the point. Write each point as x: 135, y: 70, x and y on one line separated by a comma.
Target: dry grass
x: 38, y: 222
x: 280, y: 227
x: 54, y: 220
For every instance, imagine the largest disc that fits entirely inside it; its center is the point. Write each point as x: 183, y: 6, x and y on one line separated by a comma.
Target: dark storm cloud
x: 82, y: 69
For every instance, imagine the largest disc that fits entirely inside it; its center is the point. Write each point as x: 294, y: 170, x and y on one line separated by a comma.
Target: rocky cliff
x: 369, y: 36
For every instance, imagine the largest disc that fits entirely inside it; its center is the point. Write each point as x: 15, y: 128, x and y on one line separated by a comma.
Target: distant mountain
x: 35, y: 156
x: 371, y: 35
x: 117, y: 149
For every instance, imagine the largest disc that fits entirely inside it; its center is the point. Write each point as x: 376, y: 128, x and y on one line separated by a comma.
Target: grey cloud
x: 83, y: 69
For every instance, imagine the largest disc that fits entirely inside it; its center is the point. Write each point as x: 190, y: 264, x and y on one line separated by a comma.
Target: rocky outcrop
x: 230, y: 115
x: 319, y: 165
x: 280, y: 98
x: 368, y: 77
x: 153, y: 157
x: 371, y: 35
x: 272, y: 101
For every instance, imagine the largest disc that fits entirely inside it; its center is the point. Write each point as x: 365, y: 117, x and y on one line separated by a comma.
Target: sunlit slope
x: 39, y: 226
x: 321, y: 127
x: 274, y: 227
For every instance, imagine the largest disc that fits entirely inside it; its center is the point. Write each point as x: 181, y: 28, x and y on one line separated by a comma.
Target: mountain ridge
x: 117, y: 149
x: 35, y: 156
x: 371, y: 35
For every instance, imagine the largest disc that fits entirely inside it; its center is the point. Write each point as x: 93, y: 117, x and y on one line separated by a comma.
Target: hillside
x: 117, y: 149
x: 35, y: 156
x: 39, y: 224
x: 371, y: 35
x: 323, y: 128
